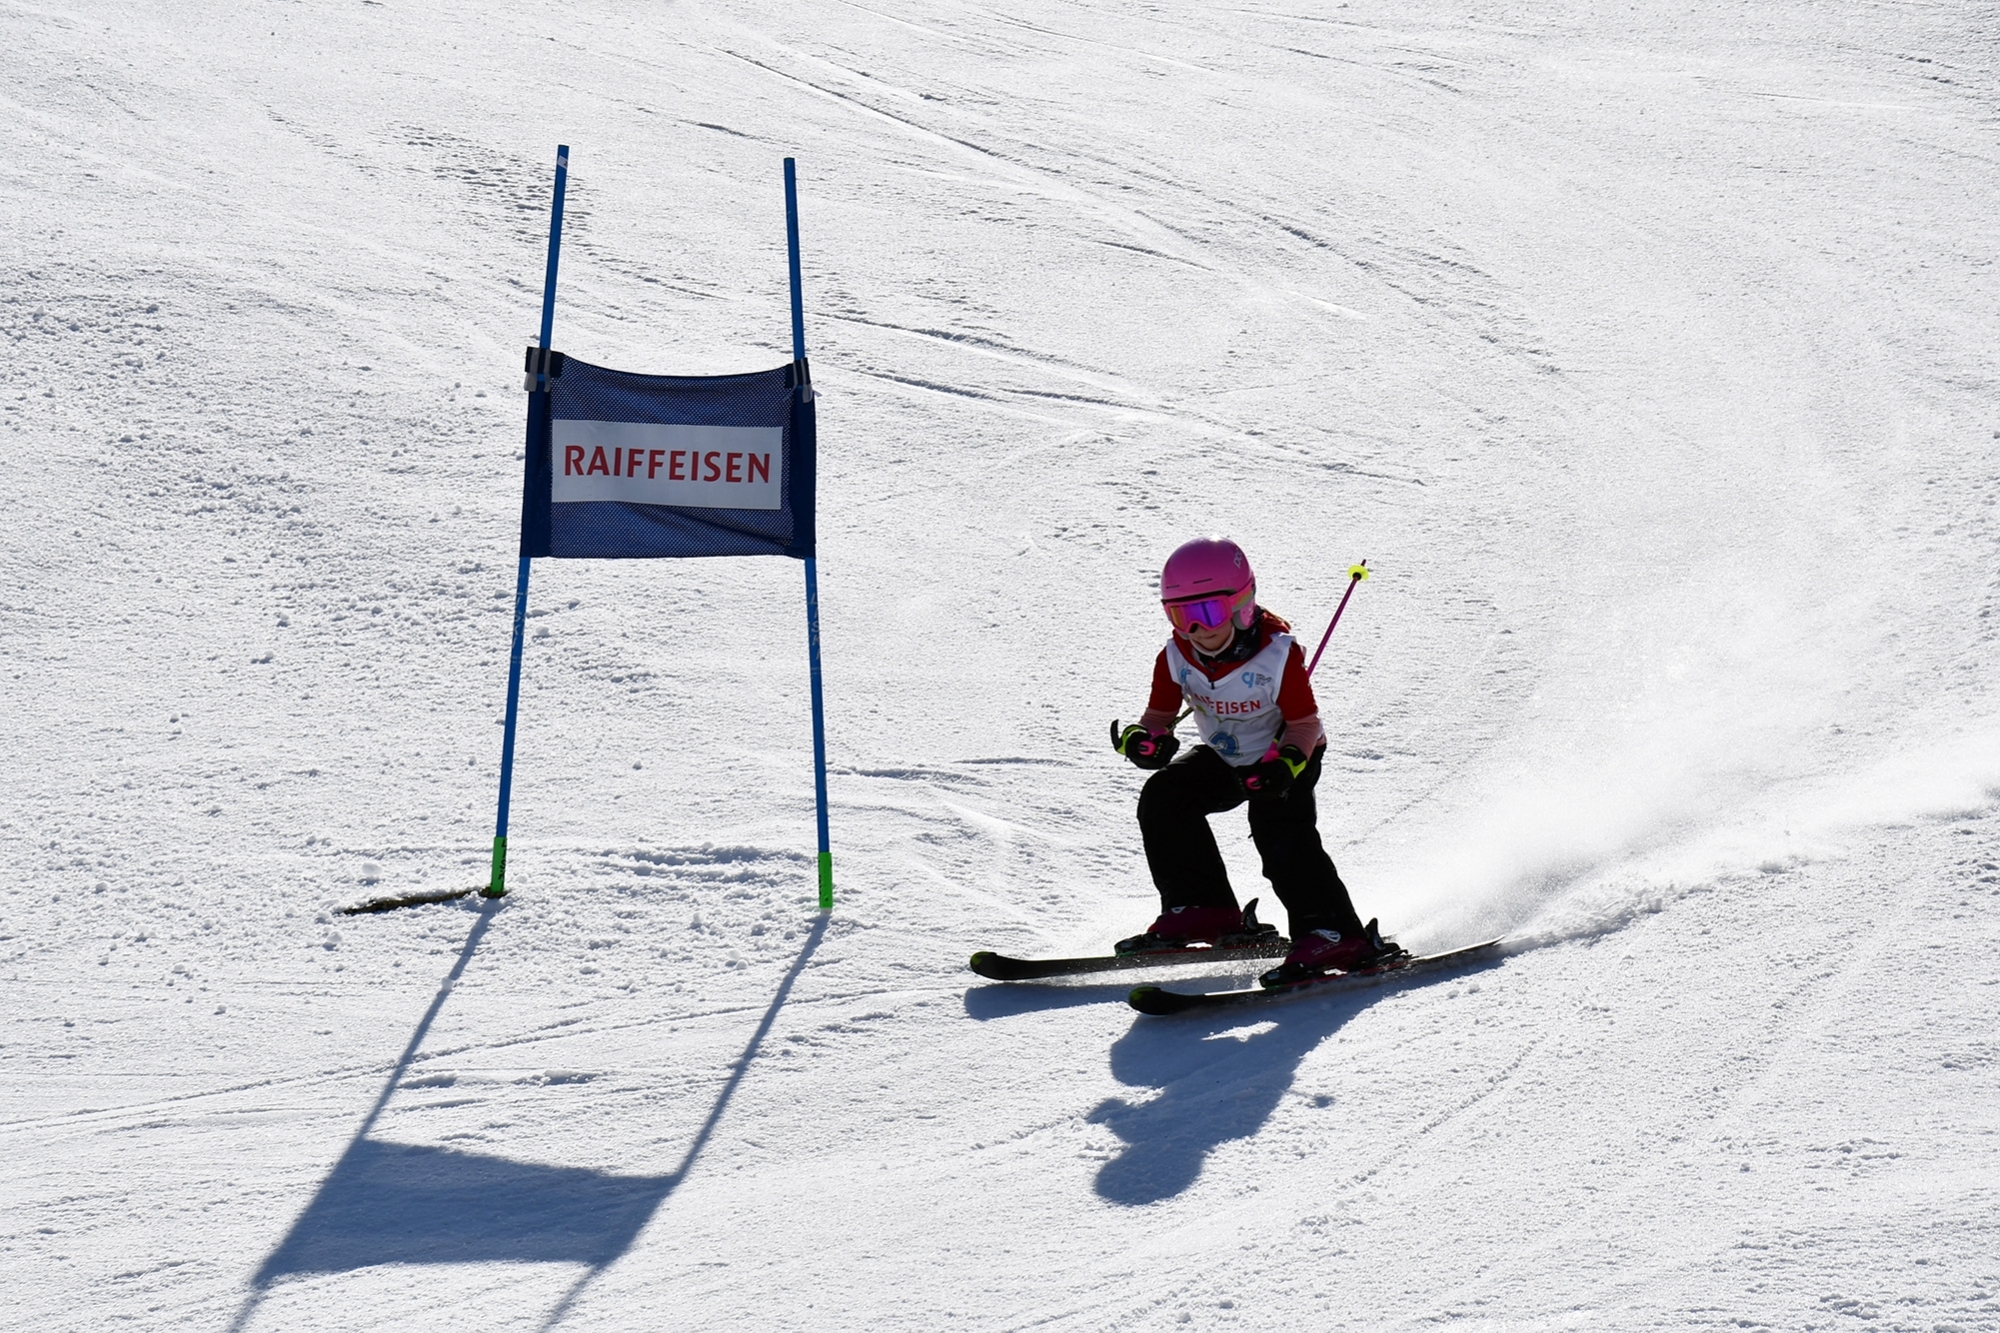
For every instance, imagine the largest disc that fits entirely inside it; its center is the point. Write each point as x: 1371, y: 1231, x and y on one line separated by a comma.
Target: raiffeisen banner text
x: 691, y: 467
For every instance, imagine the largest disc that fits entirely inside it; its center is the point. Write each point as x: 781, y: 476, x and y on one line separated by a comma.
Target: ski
x: 999, y: 967
x: 1154, y: 1000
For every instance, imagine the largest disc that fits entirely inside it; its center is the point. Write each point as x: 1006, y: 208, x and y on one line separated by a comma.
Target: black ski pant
x: 1187, y: 866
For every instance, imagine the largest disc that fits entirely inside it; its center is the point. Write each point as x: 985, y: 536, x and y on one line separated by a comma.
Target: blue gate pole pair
x: 496, y: 886
x: 812, y: 570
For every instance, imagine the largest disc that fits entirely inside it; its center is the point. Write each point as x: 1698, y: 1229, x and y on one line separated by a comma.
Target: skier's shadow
x: 1220, y: 1077
x: 1011, y: 999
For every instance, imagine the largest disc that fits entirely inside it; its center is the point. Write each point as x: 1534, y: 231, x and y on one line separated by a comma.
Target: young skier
x: 1235, y: 663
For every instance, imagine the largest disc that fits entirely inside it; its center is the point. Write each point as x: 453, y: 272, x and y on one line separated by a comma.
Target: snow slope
x: 1648, y: 353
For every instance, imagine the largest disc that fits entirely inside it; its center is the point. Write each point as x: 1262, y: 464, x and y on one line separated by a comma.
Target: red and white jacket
x: 1245, y: 706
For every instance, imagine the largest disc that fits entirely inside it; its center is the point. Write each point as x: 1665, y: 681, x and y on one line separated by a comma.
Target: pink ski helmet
x: 1207, y: 582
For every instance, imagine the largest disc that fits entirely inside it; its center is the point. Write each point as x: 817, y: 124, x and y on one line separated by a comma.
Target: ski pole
x: 1355, y: 574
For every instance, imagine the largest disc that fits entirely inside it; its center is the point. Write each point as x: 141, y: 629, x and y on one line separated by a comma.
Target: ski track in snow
x: 1649, y: 359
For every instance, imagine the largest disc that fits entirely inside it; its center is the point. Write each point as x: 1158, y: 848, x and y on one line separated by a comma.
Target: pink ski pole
x: 1355, y: 574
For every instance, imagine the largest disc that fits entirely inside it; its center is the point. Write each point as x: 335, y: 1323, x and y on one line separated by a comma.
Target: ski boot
x: 1319, y: 952
x: 1180, y: 927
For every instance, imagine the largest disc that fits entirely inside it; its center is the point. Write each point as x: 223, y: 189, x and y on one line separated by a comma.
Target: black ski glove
x: 1142, y: 747
x: 1274, y: 776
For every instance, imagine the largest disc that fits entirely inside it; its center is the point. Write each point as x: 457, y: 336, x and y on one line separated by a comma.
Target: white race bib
x: 1238, y: 715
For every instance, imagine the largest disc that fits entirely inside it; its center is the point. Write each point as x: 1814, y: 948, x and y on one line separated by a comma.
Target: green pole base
x: 496, y: 887
x: 826, y: 881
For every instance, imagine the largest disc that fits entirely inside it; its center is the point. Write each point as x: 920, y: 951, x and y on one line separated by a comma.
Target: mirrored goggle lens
x: 1208, y: 613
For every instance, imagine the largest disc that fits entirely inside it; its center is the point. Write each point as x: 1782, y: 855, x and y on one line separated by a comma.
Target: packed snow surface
x: 1649, y: 354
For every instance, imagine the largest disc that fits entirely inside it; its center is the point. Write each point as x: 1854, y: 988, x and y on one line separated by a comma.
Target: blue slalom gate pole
x: 812, y: 570
x: 819, y: 737
x: 496, y: 886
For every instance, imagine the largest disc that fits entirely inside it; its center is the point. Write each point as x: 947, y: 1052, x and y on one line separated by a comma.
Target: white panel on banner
x: 693, y: 467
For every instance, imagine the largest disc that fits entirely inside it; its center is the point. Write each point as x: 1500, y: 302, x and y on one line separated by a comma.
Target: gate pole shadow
x: 701, y: 1137
x: 400, y: 1203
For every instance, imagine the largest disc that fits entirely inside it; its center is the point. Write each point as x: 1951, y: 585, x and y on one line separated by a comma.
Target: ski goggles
x: 1207, y: 612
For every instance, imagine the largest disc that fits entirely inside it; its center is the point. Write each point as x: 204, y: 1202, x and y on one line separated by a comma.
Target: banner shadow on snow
x: 399, y: 1203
